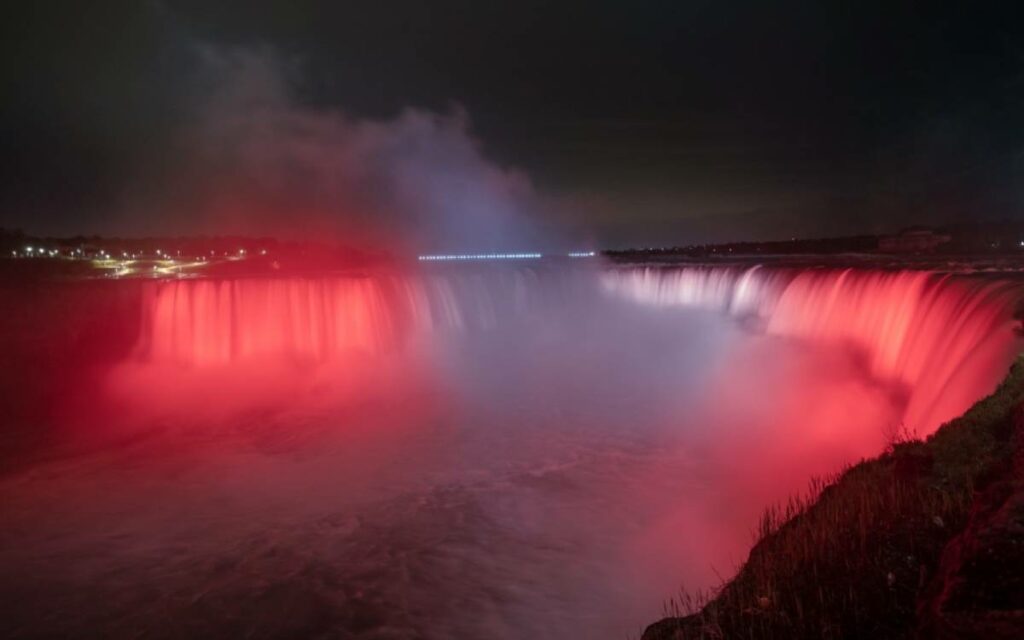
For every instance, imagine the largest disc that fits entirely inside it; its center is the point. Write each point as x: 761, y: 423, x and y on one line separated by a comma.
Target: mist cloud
x: 252, y: 159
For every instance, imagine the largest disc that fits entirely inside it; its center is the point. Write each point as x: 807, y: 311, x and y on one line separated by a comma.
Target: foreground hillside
x: 925, y: 541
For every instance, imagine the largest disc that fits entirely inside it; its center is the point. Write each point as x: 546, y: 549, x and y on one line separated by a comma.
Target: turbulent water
x: 494, y: 453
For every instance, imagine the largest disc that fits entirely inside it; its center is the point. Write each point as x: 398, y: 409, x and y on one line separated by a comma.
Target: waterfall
x: 318, y: 319
x: 944, y: 339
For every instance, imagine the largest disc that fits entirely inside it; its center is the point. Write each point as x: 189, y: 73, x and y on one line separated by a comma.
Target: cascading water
x: 215, y: 322
x: 208, y: 322
x: 946, y: 340
x: 943, y: 340
x: 468, y: 453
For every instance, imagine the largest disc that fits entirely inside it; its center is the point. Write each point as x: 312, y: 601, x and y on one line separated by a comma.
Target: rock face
x: 978, y: 590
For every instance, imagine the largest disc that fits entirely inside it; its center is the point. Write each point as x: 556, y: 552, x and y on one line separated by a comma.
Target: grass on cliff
x: 852, y: 557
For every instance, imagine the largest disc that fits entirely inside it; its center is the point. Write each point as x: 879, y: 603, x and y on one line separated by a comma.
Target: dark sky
x: 645, y: 122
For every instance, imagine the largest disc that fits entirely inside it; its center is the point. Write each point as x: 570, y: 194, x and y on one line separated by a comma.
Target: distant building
x: 912, y: 240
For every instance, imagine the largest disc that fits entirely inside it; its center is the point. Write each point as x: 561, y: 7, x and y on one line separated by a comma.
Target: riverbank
x: 926, y: 540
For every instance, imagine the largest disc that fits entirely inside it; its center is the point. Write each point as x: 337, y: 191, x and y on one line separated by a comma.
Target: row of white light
x: 427, y: 258
x: 499, y: 256
x: 40, y: 251
x: 482, y: 256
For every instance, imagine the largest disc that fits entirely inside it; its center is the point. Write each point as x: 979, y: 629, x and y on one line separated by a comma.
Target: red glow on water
x: 397, y: 433
x: 774, y: 415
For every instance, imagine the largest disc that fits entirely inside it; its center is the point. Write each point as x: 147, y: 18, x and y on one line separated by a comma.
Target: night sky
x: 622, y: 123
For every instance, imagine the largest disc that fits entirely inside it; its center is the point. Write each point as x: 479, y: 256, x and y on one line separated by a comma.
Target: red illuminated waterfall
x: 212, y: 322
x: 946, y: 340
x: 943, y: 341
x: 318, y: 319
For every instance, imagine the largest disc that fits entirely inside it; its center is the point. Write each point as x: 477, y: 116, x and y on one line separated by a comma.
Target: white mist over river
x: 483, y: 456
